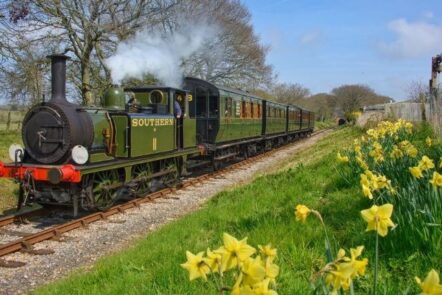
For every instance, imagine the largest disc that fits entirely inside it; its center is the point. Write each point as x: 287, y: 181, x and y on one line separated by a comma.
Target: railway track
x: 26, y: 241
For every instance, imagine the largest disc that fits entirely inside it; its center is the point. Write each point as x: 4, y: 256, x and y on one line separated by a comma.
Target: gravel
x: 82, y: 247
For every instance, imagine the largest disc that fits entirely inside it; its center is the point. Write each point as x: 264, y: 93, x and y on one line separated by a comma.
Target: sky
x: 321, y: 45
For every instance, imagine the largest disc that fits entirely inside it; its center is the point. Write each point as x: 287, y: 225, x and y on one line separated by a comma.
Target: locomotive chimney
x: 58, y: 78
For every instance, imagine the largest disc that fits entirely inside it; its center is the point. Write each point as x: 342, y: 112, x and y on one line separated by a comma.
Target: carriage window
x: 252, y: 109
x: 259, y: 111
x: 228, y: 109
x: 201, y: 102
x: 237, y: 109
x: 213, y: 105
x: 243, y: 109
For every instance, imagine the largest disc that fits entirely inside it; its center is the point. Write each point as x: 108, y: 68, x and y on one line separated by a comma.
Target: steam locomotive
x: 88, y: 157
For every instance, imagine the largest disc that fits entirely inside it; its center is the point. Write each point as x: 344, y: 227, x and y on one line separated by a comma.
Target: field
x: 8, y: 189
x: 263, y: 211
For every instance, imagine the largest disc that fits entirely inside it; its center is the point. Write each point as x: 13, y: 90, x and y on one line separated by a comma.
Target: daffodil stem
x: 375, y: 285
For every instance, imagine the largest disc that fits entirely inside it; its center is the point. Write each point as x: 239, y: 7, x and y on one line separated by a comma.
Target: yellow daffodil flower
x: 428, y: 141
x: 343, y: 159
x: 272, y: 270
x: 437, y: 179
x: 196, y: 265
x: 411, y: 151
x: 359, y: 265
x: 378, y: 218
x: 344, y: 269
x: 263, y: 288
x: 430, y: 286
x: 396, y: 153
x: 214, y: 260
x: 367, y: 192
x: 267, y: 251
x: 234, y: 252
x: 382, y: 182
x: 416, y: 172
x: 239, y: 289
x: 361, y: 163
x: 302, y: 212
x: 253, y: 271
x: 426, y: 163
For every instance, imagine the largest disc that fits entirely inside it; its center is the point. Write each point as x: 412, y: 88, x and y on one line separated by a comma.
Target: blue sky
x: 324, y: 44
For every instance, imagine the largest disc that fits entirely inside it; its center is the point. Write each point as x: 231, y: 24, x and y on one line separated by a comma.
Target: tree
x: 420, y: 93
x: 88, y: 28
x: 234, y: 55
x: 353, y: 97
x: 289, y: 93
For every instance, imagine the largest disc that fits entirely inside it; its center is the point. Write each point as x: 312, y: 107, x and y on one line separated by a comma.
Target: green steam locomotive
x: 89, y: 157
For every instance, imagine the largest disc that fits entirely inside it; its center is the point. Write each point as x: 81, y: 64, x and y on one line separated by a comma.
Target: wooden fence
x: 11, y: 120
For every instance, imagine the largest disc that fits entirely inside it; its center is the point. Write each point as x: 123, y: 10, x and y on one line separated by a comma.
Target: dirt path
x: 82, y: 247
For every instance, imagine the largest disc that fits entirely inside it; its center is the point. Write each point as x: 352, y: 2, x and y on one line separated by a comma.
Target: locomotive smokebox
x: 58, y: 77
x: 51, y: 129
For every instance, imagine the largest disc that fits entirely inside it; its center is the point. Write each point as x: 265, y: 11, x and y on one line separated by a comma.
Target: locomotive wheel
x: 172, y: 178
x: 105, y: 185
x: 142, y: 176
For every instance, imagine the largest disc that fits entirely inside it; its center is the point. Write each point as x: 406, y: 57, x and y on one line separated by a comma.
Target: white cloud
x: 310, y: 37
x: 413, y: 39
x: 428, y: 14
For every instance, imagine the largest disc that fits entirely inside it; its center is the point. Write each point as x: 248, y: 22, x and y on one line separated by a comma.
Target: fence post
x: 8, y: 122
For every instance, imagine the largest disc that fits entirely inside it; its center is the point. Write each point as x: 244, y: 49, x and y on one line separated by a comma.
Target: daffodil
x: 267, y: 251
x: 367, y: 192
x: 340, y: 277
x: 240, y: 289
x: 343, y: 159
x: 382, y: 182
x: 272, y: 270
x: 437, y: 179
x: 379, y: 218
x: 302, y: 212
x: 253, y: 271
x: 234, y: 252
x: 396, y: 153
x: 428, y: 141
x: 214, y: 260
x: 196, y: 265
x: 430, y: 286
x: 359, y: 265
x: 426, y: 163
x: 263, y: 288
x: 416, y: 172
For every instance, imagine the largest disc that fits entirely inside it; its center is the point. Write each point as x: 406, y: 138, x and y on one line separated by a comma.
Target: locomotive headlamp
x: 16, y: 152
x: 79, y: 154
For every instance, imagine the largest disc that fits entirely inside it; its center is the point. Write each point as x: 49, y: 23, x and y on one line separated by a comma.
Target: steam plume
x: 158, y: 54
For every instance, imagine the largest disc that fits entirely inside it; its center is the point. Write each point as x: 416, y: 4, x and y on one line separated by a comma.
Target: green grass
x: 264, y: 212
x: 8, y: 189
x: 324, y: 124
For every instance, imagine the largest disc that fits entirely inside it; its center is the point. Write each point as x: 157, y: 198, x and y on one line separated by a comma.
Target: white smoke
x: 158, y: 53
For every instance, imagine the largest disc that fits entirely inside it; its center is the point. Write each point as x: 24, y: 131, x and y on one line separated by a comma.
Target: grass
x: 324, y: 124
x: 264, y: 212
x: 8, y: 189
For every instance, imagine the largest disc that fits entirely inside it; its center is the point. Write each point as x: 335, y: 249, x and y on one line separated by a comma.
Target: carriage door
x: 201, y: 114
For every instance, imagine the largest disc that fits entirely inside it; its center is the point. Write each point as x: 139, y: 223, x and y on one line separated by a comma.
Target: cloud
x: 413, y: 39
x: 428, y: 14
x: 310, y: 37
